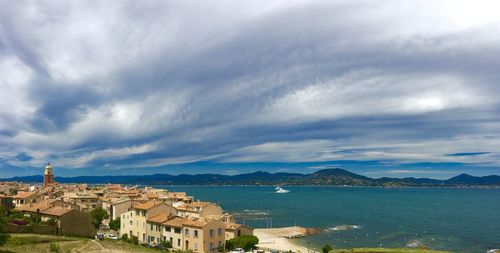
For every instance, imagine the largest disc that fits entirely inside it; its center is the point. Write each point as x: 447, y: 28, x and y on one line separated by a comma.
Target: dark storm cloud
x: 151, y: 84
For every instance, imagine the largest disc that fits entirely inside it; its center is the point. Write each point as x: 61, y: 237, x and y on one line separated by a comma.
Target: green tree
x: 247, y: 242
x: 115, y: 224
x: 98, y: 215
x: 3, y: 224
x: 326, y: 248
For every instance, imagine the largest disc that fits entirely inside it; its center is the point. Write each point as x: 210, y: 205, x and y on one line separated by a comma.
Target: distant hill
x: 322, y: 177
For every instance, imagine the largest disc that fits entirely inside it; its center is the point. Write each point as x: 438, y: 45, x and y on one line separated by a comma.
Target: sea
x: 453, y: 219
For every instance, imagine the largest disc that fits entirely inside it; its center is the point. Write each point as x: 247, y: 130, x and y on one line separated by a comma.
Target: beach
x: 280, y: 238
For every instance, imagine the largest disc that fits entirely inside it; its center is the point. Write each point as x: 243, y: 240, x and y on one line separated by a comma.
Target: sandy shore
x: 278, y: 238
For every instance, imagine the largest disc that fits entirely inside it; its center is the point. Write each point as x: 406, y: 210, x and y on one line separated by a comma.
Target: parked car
x: 238, y: 250
x: 112, y: 237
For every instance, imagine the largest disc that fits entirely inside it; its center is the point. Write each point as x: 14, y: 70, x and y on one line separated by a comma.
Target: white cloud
x: 248, y: 81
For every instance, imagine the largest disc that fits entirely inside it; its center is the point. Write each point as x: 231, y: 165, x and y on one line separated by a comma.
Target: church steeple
x: 48, y: 178
x: 48, y: 169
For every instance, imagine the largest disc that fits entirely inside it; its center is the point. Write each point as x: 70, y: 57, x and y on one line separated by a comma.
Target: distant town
x: 146, y: 215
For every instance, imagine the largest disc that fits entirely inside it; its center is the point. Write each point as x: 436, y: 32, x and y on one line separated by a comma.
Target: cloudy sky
x: 381, y: 88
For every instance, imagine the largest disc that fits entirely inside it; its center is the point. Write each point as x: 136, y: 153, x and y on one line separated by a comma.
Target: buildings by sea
x: 153, y: 216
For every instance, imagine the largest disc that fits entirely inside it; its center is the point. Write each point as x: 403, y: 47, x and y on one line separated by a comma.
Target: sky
x: 381, y: 88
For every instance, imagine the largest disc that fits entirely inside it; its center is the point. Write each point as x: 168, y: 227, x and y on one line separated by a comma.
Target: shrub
x: 125, y: 237
x: 166, y: 245
x: 134, y: 239
x: 326, y: 248
x: 16, y: 215
x: 3, y: 223
x: 54, y: 247
x: 247, y: 242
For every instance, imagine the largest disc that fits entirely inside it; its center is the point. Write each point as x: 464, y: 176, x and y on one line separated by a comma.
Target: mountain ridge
x: 331, y: 176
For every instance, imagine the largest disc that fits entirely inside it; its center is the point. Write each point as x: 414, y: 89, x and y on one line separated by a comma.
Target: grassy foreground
x: 35, y: 243
x: 384, y: 250
x: 41, y: 243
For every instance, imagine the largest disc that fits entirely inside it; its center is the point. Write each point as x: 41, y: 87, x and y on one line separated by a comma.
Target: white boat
x: 281, y: 190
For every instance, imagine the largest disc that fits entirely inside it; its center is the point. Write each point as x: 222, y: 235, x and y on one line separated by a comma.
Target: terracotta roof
x: 232, y: 226
x: 147, y: 205
x: 152, y: 196
x: 113, y: 187
x: 38, y: 206
x: 179, y: 222
x: 172, y: 195
x: 200, y: 204
x: 56, y: 211
x: 23, y: 195
x: 194, y: 207
x: 160, y: 218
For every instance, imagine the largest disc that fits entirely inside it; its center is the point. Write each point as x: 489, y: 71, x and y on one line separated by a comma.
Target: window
x: 177, y: 230
x: 219, y: 231
x: 195, y: 233
x: 167, y: 229
x: 179, y: 242
x: 211, y: 245
x: 186, y: 232
x: 151, y: 227
x: 211, y: 233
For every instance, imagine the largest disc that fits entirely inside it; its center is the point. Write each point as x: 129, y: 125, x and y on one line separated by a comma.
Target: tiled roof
x: 38, y: 206
x: 56, y: 211
x: 200, y: 204
x: 232, y: 226
x: 179, y: 222
x: 160, y: 218
x: 177, y: 195
x: 175, y: 222
x: 23, y: 195
x: 147, y: 205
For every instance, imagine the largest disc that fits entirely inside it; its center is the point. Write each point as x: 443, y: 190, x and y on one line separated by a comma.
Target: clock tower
x: 48, y: 177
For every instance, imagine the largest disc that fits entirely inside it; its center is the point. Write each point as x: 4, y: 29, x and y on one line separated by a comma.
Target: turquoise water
x: 459, y: 220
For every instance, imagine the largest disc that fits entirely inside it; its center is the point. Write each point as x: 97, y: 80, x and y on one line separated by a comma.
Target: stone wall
x: 34, y: 229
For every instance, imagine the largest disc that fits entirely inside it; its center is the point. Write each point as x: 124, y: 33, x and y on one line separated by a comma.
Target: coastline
x: 281, y: 238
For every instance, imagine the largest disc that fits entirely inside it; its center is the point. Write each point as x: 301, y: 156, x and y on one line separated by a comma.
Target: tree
x: 326, y: 248
x: 247, y: 242
x: 3, y: 224
x: 98, y: 215
x: 115, y: 224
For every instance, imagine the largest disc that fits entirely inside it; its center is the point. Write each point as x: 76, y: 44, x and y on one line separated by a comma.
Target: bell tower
x: 48, y: 177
